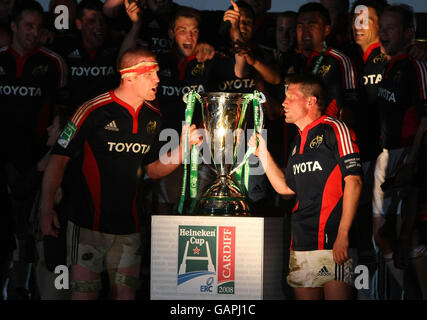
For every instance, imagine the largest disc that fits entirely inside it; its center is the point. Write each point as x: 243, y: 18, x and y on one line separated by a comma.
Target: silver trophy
x: 225, y: 117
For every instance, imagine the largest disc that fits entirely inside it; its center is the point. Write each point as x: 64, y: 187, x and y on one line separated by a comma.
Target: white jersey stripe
x: 348, y: 136
x: 422, y: 66
x: 348, y: 68
x: 88, y: 108
x: 343, y: 146
x: 81, y: 108
x: 345, y: 137
x: 61, y: 62
x: 337, y: 56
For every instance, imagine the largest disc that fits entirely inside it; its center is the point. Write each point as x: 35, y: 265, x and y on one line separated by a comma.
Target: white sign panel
x: 194, y: 257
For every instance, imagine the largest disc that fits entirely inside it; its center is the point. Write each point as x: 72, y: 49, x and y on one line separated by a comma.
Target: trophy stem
x: 223, y: 198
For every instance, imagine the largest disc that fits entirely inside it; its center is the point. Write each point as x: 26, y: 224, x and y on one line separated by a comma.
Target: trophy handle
x: 258, y: 98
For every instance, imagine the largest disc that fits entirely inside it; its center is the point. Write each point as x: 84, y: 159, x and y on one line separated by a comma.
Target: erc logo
x: 206, y: 259
x: 67, y: 134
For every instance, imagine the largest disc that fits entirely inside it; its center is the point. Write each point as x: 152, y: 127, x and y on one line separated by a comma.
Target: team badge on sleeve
x: 67, y: 134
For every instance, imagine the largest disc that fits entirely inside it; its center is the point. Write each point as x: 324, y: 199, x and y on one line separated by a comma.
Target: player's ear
x: 327, y: 30
x: 171, y: 34
x: 13, y: 27
x: 312, y: 101
x: 409, y: 33
x: 78, y: 24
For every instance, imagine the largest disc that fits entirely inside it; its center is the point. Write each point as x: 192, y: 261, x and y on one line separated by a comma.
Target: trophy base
x: 223, y: 198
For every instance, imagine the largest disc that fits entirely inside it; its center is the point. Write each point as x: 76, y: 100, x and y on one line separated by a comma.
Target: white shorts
x: 313, y: 269
x: 98, y: 251
x: 386, y: 163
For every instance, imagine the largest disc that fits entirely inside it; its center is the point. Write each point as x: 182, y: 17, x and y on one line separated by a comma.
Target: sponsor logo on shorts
x: 324, y: 272
x: 87, y: 256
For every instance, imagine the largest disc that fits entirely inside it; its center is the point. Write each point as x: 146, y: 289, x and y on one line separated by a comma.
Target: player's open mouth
x: 187, y: 46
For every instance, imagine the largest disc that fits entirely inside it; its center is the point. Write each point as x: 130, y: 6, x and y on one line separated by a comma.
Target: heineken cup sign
x: 206, y: 259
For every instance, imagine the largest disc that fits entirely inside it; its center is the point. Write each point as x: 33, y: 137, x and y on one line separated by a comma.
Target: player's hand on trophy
x: 133, y: 10
x: 258, y: 142
x: 195, y: 135
x: 204, y: 52
x: 233, y: 15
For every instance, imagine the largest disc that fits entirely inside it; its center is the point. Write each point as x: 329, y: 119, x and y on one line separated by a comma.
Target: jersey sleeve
x: 73, y: 136
x: 421, y: 86
x: 289, y: 174
x: 155, y: 149
x: 345, y: 147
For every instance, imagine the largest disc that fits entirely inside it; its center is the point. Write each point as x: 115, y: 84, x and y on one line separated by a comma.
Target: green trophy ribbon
x: 194, y: 177
x: 243, y: 178
x: 190, y: 99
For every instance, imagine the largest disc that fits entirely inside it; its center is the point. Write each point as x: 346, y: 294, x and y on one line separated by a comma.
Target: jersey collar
x: 20, y: 60
x: 312, y: 125
x: 181, y: 65
x: 304, y: 132
x: 124, y: 104
x: 369, y: 50
x: 393, y: 61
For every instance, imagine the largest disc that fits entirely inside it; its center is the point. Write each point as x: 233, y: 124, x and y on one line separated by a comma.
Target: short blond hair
x: 131, y: 57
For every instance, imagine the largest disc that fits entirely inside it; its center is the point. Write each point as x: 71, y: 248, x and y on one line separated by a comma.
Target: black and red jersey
x: 322, y: 155
x: 402, y: 97
x: 154, y: 32
x: 178, y: 78
x: 339, y: 75
x: 28, y: 87
x: 90, y: 72
x: 370, y: 71
x: 109, y: 143
x: 226, y: 80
